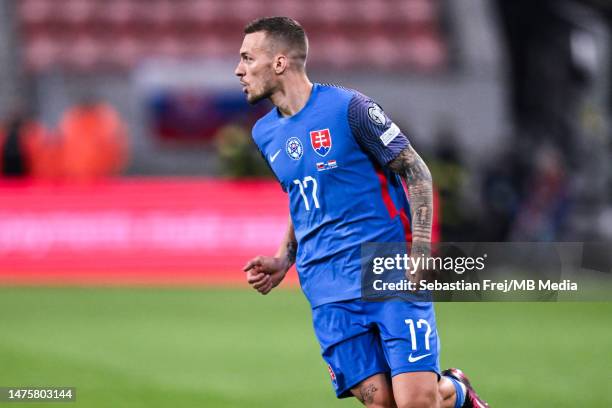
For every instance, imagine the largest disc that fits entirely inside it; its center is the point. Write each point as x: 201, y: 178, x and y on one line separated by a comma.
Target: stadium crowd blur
x: 89, y: 144
x: 549, y: 180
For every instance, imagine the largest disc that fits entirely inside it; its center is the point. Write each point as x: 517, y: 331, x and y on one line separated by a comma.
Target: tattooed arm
x: 288, y: 248
x: 414, y: 171
x: 265, y: 272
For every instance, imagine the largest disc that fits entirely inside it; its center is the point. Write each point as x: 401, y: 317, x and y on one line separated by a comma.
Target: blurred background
x: 509, y: 101
x: 126, y: 159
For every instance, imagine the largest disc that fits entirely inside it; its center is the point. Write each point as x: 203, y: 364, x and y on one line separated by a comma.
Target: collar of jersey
x: 313, y: 93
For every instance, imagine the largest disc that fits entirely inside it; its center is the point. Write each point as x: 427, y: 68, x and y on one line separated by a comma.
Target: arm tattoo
x: 413, y: 169
x: 291, y: 251
x: 366, y: 393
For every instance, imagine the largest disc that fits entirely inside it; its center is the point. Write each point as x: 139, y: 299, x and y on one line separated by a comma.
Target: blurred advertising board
x: 137, y: 230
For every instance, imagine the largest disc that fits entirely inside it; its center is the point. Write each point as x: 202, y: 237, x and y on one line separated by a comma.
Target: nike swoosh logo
x: 415, y: 359
x: 272, y: 158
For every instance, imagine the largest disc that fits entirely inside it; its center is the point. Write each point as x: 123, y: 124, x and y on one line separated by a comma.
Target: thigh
x: 352, y: 351
x: 409, y: 336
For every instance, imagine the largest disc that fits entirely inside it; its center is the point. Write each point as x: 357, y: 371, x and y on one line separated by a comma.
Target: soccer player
x: 341, y: 160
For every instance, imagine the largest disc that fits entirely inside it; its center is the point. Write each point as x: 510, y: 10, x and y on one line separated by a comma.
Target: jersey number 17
x: 303, y: 185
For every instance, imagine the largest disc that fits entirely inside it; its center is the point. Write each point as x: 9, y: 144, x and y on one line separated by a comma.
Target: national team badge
x: 294, y: 148
x: 321, y: 141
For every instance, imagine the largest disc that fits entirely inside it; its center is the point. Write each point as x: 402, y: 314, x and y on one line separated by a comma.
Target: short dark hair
x: 284, y: 29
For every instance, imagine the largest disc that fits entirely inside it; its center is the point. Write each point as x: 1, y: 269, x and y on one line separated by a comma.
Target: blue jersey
x: 331, y: 158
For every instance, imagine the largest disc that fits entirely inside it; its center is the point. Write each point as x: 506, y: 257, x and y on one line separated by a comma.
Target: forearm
x: 288, y: 248
x: 415, y: 172
x: 420, y: 190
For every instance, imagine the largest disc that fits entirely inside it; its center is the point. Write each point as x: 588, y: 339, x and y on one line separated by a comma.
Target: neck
x: 293, y: 94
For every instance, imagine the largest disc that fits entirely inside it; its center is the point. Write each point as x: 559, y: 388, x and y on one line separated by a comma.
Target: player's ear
x: 280, y: 64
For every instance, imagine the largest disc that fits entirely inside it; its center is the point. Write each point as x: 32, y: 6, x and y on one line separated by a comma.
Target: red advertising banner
x: 137, y: 231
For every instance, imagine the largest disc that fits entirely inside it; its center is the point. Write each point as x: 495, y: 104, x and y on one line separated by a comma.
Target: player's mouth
x: 245, y: 87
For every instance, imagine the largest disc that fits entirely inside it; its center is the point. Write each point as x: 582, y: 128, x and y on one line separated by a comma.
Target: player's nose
x: 239, y: 72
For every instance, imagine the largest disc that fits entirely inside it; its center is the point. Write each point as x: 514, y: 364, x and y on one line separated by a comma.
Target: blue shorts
x: 359, y: 339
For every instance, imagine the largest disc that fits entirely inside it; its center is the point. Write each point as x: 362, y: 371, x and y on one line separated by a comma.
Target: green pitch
x: 235, y: 348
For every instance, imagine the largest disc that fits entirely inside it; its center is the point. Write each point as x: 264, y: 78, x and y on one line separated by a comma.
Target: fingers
x: 257, y: 261
x: 259, y: 273
x: 262, y: 282
x: 254, y: 277
x: 264, y: 290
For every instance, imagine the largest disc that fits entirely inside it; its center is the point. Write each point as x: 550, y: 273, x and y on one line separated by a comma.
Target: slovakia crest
x: 321, y: 141
x: 294, y: 148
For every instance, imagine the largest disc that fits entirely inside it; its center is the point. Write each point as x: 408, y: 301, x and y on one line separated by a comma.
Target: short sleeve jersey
x: 331, y: 159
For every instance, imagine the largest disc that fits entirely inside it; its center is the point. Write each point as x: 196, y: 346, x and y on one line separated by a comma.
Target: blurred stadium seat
x: 79, y: 34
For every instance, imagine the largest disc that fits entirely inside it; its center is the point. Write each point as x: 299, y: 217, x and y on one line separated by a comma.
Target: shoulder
x: 350, y: 93
x: 357, y: 102
x: 340, y: 93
